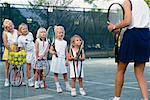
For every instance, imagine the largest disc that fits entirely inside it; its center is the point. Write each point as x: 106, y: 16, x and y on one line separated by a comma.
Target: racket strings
x: 115, y: 13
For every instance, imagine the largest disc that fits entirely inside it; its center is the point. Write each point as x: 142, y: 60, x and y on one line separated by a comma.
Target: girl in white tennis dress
x: 10, y: 36
x: 76, y: 68
x: 41, y: 51
x: 25, y: 41
x: 58, y: 64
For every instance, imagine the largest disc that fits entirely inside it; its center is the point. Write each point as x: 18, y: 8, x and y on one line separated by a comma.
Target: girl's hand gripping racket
x: 80, y: 50
x: 51, y: 37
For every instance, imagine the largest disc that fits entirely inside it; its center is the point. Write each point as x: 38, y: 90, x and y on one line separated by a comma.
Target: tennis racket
x: 77, y: 69
x: 80, y: 50
x: 115, y: 15
x: 51, y: 37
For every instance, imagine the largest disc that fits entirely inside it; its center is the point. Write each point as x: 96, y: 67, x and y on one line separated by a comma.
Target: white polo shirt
x: 140, y: 14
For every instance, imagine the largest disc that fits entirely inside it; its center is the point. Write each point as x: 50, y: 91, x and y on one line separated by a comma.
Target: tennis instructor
x: 135, y: 45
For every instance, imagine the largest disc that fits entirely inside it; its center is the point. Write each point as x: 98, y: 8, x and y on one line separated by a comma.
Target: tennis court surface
x: 98, y: 83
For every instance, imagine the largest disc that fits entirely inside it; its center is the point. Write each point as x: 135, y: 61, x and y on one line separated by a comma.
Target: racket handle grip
x: 44, y: 84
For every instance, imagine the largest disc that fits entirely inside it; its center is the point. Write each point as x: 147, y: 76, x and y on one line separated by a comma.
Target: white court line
x: 47, y: 96
x: 1, y: 79
x: 38, y: 97
x: 100, y: 83
x: 134, y: 82
x: 89, y: 97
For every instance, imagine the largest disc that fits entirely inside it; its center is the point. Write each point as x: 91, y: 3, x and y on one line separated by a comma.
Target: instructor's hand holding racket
x: 114, y: 16
x: 51, y: 37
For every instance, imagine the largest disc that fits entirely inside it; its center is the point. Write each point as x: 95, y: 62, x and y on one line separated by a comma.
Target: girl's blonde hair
x: 39, y: 31
x: 21, y: 26
x: 72, y: 40
x: 6, y: 22
x: 59, y: 27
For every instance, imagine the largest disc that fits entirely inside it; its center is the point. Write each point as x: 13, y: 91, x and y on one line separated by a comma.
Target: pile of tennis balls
x: 17, y: 58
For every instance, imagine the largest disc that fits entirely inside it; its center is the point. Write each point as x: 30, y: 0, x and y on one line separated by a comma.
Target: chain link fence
x: 90, y: 24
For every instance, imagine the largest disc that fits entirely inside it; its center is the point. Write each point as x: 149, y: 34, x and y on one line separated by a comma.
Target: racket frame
x: 51, y: 28
x: 116, y: 34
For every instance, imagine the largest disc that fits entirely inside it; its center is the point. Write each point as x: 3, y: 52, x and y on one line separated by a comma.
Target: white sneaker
x: 82, y: 92
x: 59, y: 90
x: 73, y: 92
x: 30, y: 83
x: 114, y: 98
x: 6, y: 83
x: 143, y: 99
x: 36, y: 85
x: 68, y: 88
x: 41, y: 84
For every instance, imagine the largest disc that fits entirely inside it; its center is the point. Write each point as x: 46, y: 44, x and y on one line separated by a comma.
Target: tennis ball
x: 16, y: 63
x: 12, y: 53
x: 19, y: 54
x: 19, y: 59
x: 16, y: 54
x: 15, y: 59
x: 12, y: 62
x: 10, y: 58
x: 24, y: 53
x: 24, y: 60
x: 20, y: 63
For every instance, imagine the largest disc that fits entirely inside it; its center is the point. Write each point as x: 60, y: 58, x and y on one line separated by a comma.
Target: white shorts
x: 30, y: 57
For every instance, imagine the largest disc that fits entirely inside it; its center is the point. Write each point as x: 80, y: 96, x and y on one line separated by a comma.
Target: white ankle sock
x: 116, y: 98
x: 6, y: 79
x: 81, y: 88
x: 57, y: 84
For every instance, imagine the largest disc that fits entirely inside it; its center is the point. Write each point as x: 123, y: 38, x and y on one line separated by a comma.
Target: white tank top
x: 60, y: 46
x: 42, y: 46
x: 140, y: 14
x: 12, y: 38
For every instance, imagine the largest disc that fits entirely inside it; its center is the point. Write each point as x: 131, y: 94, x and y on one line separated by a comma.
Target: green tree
x: 51, y: 2
x: 91, y: 1
x: 148, y: 2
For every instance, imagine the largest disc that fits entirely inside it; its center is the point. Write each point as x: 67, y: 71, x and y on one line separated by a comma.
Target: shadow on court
x: 98, y: 83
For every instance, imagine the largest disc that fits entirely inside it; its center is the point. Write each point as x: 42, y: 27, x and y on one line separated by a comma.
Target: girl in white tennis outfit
x: 10, y: 36
x: 41, y: 51
x: 76, y: 68
x: 58, y: 64
x: 25, y: 41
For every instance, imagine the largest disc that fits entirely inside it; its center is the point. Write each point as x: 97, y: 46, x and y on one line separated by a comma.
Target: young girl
x: 41, y: 50
x: 76, y: 68
x: 10, y: 36
x: 58, y: 64
x: 25, y: 41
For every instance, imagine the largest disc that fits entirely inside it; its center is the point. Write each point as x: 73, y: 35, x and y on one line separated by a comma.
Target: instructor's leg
x: 139, y: 73
x: 120, y: 78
